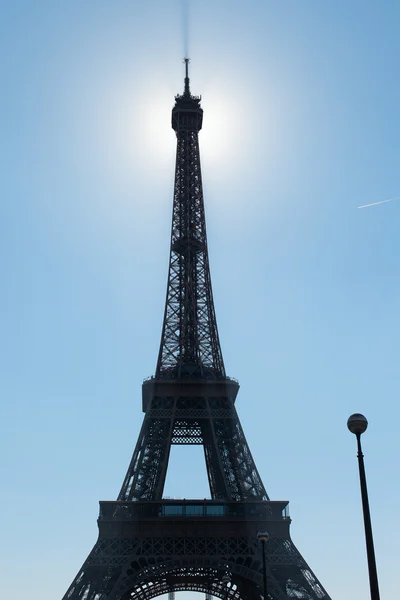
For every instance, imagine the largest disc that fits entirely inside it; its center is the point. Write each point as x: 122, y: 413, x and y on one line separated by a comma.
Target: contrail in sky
x: 380, y: 202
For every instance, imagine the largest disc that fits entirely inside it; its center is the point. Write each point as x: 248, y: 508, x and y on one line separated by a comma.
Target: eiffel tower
x: 149, y: 545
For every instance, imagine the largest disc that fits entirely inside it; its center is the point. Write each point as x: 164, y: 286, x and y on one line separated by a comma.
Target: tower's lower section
x: 146, y: 549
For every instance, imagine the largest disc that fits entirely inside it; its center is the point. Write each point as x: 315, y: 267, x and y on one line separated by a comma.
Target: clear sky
x: 301, y: 126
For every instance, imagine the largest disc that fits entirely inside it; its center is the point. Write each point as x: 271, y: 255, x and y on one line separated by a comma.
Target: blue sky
x: 301, y: 104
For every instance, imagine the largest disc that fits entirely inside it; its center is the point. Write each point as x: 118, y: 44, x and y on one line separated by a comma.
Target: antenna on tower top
x: 187, y: 88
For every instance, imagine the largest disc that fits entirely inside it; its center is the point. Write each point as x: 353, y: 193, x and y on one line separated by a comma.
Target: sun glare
x: 151, y: 138
x: 222, y: 137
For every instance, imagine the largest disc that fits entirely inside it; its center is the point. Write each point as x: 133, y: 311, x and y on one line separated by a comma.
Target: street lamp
x: 226, y: 581
x: 357, y: 424
x: 263, y: 537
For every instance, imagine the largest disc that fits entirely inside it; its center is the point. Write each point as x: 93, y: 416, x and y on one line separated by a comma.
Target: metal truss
x: 212, y: 422
x: 148, y: 546
x: 189, y: 343
x: 137, y: 569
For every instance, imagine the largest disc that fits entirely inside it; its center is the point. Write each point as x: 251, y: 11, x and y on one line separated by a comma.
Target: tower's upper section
x: 190, y: 347
x: 187, y: 113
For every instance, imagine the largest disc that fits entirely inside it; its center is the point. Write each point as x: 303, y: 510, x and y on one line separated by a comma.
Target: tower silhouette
x: 148, y: 545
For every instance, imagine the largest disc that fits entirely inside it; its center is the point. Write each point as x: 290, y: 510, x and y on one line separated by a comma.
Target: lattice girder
x: 139, y: 556
x: 190, y: 345
x: 189, y: 418
x: 148, y: 546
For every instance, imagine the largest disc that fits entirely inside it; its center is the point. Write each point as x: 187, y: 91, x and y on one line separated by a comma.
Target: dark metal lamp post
x: 357, y: 424
x: 226, y: 581
x: 263, y: 537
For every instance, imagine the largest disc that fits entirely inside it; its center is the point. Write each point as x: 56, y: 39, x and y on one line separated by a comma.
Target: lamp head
x: 263, y: 536
x: 357, y: 423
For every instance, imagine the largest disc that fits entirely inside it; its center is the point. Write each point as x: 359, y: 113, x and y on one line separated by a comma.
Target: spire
x: 187, y: 88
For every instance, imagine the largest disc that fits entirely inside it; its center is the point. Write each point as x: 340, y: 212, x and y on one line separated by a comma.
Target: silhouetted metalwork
x: 190, y: 345
x: 148, y: 545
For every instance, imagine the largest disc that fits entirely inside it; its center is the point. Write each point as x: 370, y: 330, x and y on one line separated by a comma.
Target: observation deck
x: 182, y: 517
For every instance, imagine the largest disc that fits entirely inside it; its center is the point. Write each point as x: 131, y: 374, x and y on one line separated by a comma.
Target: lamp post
x: 226, y: 580
x: 263, y: 537
x: 357, y: 424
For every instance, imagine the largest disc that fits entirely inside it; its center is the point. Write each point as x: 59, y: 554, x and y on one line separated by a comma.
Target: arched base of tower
x: 202, y: 579
x: 153, y: 548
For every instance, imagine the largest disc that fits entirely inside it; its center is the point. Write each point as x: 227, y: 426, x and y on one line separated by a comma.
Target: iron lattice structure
x: 189, y: 342
x: 148, y: 545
